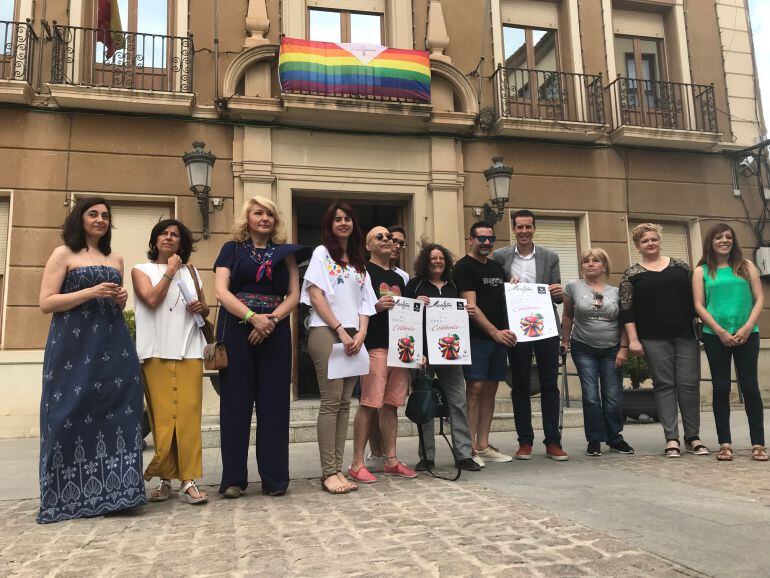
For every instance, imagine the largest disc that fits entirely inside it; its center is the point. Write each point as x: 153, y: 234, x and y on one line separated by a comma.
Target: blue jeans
x: 602, y: 387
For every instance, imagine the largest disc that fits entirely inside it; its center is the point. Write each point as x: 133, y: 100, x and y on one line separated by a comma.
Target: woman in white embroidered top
x: 170, y: 347
x: 337, y: 288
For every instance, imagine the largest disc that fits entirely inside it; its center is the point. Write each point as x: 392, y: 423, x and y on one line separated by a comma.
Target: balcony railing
x: 548, y: 95
x: 17, y: 50
x: 667, y: 105
x: 129, y: 60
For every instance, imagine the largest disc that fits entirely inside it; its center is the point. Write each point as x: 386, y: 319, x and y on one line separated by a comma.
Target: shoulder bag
x: 214, y: 353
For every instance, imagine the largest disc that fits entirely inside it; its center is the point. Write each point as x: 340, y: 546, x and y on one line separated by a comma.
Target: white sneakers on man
x: 492, y: 454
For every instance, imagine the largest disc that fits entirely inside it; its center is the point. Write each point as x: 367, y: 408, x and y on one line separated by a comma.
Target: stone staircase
x: 302, y: 426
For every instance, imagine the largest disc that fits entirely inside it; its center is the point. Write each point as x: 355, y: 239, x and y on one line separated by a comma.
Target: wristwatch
x: 274, y: 319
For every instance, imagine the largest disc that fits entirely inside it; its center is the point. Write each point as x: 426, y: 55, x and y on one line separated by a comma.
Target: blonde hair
x: 241, y: 226
x: 638, y: 232
x: 600, y: 254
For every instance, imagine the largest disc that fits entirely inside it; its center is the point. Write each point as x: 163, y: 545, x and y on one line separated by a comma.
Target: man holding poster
x: 525, y: 263
x: 385, y: 388
x: 448, y: 341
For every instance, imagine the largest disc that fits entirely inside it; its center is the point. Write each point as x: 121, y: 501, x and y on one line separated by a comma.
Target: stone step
x: 304, y: 430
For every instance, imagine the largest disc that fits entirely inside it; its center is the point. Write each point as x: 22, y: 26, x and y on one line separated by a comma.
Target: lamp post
x: 498, y: 182
x: 200, y: 166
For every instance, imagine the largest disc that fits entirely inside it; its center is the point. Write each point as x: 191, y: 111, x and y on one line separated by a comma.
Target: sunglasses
x: 383, y: 236
x: 484, y: 238
x: 399, y: 243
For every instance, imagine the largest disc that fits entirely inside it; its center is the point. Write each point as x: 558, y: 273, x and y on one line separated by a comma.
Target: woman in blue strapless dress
x: 91, y: 407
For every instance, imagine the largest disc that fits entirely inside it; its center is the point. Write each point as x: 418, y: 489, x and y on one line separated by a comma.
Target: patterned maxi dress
x: 91, y: 408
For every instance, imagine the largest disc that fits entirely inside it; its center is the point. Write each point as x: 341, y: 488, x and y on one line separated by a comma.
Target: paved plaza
x: 640, y: 515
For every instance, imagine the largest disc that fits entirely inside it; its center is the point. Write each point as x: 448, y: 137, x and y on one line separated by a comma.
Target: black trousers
x: 746, y: 357
x: 256, y: 376
x: 547, y: 358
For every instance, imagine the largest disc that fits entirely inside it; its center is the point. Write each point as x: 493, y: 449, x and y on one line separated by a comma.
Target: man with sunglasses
x: 399, y: 244
x: 526, y: 263
x: 481, y: 281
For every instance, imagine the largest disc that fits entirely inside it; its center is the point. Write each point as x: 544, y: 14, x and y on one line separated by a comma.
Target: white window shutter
x: 644, y: 24
x: 376, y: 6
x: 5, y: 209
x: 675, y: 242
x: 132, y: 225
x: 560, y: 235
x: 530, y: 13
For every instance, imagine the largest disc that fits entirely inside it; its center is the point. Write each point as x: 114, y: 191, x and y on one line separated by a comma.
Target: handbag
x: 427, y: 402
x: 214, y: 353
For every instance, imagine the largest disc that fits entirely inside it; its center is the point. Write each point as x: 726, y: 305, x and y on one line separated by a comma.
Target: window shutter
x: 5, y: 209
x: 560, y: 235
x: 675, y: 242
x: 132, y: 225
x: 531, y: 13
x: 377, y: 6
x: 629, y: 23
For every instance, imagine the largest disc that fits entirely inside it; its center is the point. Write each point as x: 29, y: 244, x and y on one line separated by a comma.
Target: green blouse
x: 728, y: 299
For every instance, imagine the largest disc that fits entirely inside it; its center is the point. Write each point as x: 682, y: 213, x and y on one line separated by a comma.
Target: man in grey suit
x: 525, y: 263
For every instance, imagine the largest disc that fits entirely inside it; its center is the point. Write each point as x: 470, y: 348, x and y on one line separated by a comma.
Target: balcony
x: 123, y: 71
x: 563, y: 105
x: 671, y: 114
x: 17, y: 53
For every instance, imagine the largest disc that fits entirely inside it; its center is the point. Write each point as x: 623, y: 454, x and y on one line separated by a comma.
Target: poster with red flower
x: 447, y: 329
x: 530, y: 311
x: 405, y: 330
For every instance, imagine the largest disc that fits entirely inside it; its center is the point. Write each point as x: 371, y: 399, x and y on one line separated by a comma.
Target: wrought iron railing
x: 17, y: 50
x: 658, y: 104
x: 548, y: 95
x: 130, y: 60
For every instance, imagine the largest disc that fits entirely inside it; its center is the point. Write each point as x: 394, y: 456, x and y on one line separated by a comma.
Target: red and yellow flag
x: 110, y: 31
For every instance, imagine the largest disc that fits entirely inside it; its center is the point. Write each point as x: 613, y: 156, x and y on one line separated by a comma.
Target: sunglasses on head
x: 383, y: 236
x: 484, y: 238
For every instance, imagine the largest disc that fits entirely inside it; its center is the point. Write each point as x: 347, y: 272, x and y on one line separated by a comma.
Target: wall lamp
x: 200, y: 166
x: 498, y: 182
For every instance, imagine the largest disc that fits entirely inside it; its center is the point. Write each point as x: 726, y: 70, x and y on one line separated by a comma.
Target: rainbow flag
x: 356, y: 70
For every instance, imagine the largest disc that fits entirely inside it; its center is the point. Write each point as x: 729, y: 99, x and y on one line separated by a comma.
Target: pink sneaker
x: 401, y: 470
x: 362, y: 475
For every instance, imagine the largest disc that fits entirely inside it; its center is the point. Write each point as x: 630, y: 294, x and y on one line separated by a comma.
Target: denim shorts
x: 489, y: 361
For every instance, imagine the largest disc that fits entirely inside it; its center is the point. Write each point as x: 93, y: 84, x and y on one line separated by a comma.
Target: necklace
x: 264, y: 260
x: 178, y: 292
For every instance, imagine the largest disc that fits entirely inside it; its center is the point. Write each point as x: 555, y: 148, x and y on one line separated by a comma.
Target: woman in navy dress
x: 91, y: 407
x: 257, y: 283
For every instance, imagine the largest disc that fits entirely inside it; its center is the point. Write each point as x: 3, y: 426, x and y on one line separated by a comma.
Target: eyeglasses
x: 399, y: 242
x: 484, y: 238
x: 383, y: 236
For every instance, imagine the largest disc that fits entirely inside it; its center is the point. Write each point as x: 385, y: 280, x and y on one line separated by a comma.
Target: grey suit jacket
x: 546, y: 267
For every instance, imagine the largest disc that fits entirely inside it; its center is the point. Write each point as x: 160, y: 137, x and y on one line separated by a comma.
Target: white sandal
x: 185, y: 497
x: 162, y: 491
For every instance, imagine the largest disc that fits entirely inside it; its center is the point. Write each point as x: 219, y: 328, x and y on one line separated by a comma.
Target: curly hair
x: 241, y: 226
x: 422, y: 262
x: 638, y: 232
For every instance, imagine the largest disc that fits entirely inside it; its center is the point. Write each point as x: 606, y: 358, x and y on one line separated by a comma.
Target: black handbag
x: 427, y: 402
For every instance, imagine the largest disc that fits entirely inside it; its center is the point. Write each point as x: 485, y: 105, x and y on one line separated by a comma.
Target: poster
x: 448, y: 332
x: 405, y: 329
x: 530, y: 311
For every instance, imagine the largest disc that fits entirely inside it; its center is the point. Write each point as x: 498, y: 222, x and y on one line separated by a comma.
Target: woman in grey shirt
x: 590, y: 330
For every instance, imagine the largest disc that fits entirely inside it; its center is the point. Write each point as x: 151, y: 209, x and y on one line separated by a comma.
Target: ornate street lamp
x: 498, y: 182
x: 200, y: 166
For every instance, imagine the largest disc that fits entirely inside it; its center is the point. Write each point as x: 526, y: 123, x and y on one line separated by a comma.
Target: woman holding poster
x: 590, y: 329
x: 433, y: 284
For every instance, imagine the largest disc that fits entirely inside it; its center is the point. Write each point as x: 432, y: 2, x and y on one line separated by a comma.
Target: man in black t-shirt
x: 385, y: 388
x: 481, y: 281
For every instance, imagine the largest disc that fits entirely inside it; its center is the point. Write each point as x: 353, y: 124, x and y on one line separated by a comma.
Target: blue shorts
x: 489, y: 361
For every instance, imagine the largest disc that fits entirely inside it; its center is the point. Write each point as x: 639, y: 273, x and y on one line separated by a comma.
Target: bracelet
x: 275, y: 319
x: 338, y: 326
x: 248, y: 316
x: 167, y: 276
x: 624, y: 346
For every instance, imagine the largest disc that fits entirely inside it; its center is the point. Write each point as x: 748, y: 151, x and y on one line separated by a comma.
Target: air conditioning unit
x: 762, y: 260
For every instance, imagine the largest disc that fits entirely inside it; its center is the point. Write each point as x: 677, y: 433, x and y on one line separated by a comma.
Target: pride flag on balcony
x: 357, y: 70
x: 109, y: 27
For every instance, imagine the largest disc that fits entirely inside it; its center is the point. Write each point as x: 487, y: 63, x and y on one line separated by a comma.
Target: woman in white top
x: 170, y: 347
x: 337, y: 288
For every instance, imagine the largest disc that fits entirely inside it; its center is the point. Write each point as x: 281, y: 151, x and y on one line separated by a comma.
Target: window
x: 132, y: 224
x: 150, y: 20
x: 675, y: 242
x: 641, y: 61
x: 5, y: 207
x: 345, y: 26
x: 7, y: 10
x: 528, y: 52
x: 561, y: 235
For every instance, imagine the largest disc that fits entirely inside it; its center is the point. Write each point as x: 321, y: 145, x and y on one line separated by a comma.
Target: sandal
x: 184, y: 496
x: 161, y: 492
x: 758, y: 453
x: 699, y: 449
x: 351, y: 486
x: 725, y: 453
x: 338, y: 491
x: 673, y: 451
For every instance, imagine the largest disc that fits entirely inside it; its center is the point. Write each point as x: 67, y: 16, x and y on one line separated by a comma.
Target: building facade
x: 610, y: 112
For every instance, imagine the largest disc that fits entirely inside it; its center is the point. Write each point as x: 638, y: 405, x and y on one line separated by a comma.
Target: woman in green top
x: 728, y: 298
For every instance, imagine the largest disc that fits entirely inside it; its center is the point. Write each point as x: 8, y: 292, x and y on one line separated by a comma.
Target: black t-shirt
x: 383, y: 281
x: 488, y: 281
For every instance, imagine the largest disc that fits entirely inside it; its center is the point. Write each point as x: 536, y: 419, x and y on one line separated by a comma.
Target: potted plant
x: 638, y: 401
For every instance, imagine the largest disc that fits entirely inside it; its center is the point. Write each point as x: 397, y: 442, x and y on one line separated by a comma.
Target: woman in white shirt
x: 170, y: 347
x: 337, y: 288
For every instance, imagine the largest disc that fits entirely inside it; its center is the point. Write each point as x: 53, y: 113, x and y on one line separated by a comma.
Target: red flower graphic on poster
x: 449, y: 346
x: 406, y: 349
x: 532, y: 325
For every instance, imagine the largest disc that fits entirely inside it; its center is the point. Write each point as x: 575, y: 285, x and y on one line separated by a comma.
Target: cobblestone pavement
x: 419, y: 527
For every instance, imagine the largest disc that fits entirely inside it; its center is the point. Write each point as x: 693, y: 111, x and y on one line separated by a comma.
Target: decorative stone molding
x: 242, y: 62
x: 257, y: 24
x: 437, y: 40
x: 462, y: 87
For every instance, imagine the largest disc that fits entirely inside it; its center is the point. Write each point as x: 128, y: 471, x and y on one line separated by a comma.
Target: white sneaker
x: 374, y: 463
x: 491, y: 454
x: 477, y: 458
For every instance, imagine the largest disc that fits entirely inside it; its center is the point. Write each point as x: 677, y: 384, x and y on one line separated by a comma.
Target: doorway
x: 308, y: 213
